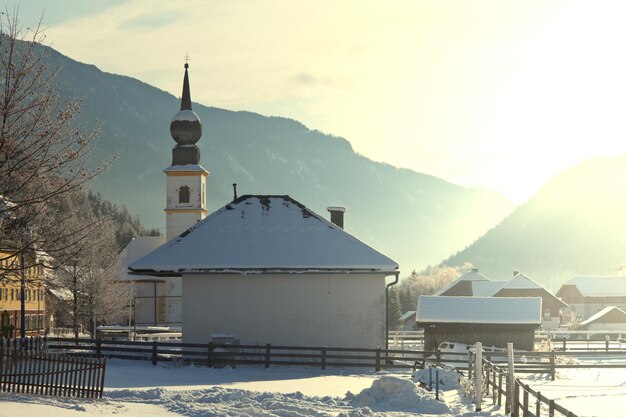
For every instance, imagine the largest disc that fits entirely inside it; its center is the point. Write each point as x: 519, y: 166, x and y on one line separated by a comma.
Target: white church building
x: 264, y: 268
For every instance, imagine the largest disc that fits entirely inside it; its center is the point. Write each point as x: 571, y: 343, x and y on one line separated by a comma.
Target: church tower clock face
x: 186, y: 178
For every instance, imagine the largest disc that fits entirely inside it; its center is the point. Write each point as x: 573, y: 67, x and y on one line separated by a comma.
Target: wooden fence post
x: 515, y: 402
x: 538, y: 407
x: 470, y: 363
x: 478, y: 371
x: 499, y: 389
x: 551, y: 408
x: 525, y: 406
x: 154, y: 353
x: 98, y: 348
x: 267, y: 355
x: 438, y: 356
x: 377, y: 364
x: 323, y: 364
x: 209, y: 355
x: 510, y: 379
x: 552, y: 365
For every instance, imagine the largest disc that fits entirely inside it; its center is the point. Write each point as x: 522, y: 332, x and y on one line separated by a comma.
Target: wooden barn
x: 494, y: 321
x: 609, y: 318
x: 587, y: 296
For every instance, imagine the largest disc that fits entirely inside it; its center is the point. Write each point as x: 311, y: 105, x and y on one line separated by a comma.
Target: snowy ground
x: 136, y: 388
x: 586, y: 392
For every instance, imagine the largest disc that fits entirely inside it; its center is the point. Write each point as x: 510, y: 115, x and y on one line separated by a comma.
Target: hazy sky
x: 499, y: 94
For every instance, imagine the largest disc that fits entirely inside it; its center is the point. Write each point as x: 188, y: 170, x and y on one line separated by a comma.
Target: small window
x: 183, y: 194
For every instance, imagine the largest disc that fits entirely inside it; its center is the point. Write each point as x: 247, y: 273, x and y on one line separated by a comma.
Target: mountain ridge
x: 415, y: 218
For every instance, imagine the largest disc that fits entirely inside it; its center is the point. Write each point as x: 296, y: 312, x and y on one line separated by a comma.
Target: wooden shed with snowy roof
x: 267, y: 269
x: 494, y: 321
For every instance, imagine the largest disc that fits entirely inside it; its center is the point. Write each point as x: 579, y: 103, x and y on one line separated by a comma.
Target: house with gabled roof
x: 587, y: 296
x: 609, y: 318
x: 462, y: 286
x: 493, y: 321
x: 522, y: 286
x: 474, y: 284
x: 267, y: 269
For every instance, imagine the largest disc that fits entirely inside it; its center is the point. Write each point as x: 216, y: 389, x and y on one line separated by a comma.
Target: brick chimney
x: 515, y: 273
x: 336, y: 214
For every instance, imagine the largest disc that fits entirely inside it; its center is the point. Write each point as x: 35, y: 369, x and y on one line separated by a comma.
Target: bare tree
x: 43, y: 152
x: 88, y: 275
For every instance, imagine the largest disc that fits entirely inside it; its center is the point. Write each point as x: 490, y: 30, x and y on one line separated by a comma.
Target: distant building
x: 463, y: 285
x: 152, y: 300
x: 609, y: 318
x: 473, y: 284
x: 10, y: 295
x: 493, y: 321
x: 587, y: 296
x: 266, y: 269
x: 407, y: 320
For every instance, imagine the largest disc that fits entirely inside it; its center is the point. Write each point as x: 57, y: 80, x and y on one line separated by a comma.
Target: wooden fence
x: 528, y: 402
x: 213, y: 355
x: 51, y: 374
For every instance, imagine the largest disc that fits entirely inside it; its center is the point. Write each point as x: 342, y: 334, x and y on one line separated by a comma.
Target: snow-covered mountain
x: 414, y: 218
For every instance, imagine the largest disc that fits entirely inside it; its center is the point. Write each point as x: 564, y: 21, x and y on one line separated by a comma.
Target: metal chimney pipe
x: 336, y: 215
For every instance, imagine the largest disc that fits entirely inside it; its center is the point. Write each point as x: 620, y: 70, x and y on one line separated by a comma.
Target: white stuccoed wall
x: 336, y: 310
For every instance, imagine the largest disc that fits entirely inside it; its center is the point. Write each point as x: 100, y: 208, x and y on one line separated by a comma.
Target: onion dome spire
x: 186, y: 129
x: 185, y: 102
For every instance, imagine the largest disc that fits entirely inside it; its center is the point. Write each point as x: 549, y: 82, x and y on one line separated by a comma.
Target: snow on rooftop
x: 600, y: 314
x: 484, y: 310
x: 521, y: 282
x: 599, y: 286
x: 486, y: 288
x: 468, y: 276
x: 260, y: 234
x: 188, y: 167
x: 136, y: 249
x: 407, y: 315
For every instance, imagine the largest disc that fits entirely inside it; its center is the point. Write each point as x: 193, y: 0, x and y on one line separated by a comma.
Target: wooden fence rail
x: 262, y: 355
x: 530, y: 403
x: 51, y: 374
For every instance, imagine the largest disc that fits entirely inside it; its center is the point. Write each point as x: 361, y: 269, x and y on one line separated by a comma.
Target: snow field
x: 136, y: 388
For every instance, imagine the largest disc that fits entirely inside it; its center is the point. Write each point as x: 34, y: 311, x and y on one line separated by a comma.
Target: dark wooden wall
x: 498, y: 335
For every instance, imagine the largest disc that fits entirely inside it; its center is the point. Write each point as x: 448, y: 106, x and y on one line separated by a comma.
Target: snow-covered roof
x: 255, y: 234
x: 521, y: 282
x: 472, y: 275
x: 484, y: 310
x: 185, y: 168
x: 601, y: 314
x: 486, y: 288
x: 599, y: 286
x: 407, y: 315
x: 136, y: 249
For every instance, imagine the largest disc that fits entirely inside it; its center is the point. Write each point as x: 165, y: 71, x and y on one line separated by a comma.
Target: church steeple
x: 185, y: 102
x: 186, y: 129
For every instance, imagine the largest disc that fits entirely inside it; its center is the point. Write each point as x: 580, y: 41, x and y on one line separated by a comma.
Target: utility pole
x: 75, y: 306
x: 22, y: 300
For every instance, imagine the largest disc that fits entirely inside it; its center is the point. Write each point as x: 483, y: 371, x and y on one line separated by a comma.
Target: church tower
x: 186, y: 178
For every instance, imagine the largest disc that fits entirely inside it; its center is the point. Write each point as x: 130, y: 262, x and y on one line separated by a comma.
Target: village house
x: 586, y: 296
x: 609, y: 318
x: 493, y: 321
x: 473, y: 284
x: 266, y: 269
x: 10, y: 295
x: 152, y: 300
x: 263, y: 268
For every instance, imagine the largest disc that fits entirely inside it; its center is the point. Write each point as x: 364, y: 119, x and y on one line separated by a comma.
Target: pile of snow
x: 449, y: 378
x: 396, y: 394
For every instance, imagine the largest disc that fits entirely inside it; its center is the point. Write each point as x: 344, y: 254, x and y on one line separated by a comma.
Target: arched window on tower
x: 183, y: 194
